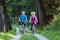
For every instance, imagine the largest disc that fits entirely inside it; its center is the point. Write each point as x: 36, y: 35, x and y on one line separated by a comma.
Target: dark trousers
x: 32, y: 25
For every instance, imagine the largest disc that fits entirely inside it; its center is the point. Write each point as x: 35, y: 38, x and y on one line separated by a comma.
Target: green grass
x: 5, y: 36
x: 51, y: 31
x: 8, y: 35
x: 28, y: 37
x: 49, y: 34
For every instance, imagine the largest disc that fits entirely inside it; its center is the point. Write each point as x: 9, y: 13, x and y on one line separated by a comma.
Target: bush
x: 55, y: 24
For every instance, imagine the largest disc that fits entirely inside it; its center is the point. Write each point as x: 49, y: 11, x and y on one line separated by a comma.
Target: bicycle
x: 22, y: 27
x: 33, y: 29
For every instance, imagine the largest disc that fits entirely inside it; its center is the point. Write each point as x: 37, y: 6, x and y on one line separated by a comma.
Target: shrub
x: 55, y: 24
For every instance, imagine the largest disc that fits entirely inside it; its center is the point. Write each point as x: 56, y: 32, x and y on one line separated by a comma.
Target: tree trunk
x: 1, y: 19
x: 7, y: 25
x: 42, y: 14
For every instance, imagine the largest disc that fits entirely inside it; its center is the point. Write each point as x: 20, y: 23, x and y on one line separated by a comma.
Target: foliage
x: 49, y: 34
x: 51, y: 31
x: 8, y: 35
x: 55, y: 24
x: 51, y: 6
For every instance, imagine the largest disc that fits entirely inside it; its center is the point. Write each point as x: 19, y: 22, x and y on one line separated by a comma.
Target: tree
x: 6, y: 25
x: 41, y: 13
x: 1, y: 19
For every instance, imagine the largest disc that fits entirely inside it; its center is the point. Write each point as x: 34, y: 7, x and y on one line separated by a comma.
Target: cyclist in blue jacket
x: 22, y: 19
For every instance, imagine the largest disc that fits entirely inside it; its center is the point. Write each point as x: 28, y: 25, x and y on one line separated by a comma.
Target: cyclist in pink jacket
x: 33, y: 20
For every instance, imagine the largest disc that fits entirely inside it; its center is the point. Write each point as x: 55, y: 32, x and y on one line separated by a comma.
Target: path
x: 40, y: 37
x: 18, y: 36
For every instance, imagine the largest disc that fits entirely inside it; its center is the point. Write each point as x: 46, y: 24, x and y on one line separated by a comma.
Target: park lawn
x: 8, y: 35
x: 49, y: 34
x: 28, y: 37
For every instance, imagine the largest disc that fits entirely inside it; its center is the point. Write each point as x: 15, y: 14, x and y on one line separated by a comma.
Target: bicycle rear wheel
x: 33, y: 31
x: 23, y: 29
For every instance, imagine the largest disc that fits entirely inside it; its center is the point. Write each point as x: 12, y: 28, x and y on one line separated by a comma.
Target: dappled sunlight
x: 4, y: 36
x: 1, y: 39
x: 36, y: 18
x: 55, y: 18
x: 58, y: 8
x: 2, y: 33
x: 7, y: 35
x: 44, y: 28
x: 10, y: 35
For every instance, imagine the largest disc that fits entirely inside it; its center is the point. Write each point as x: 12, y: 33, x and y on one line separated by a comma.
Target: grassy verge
x: 28, y: 37
x: 51, y: 31
x: 8, y: 35
x: 49, y: 34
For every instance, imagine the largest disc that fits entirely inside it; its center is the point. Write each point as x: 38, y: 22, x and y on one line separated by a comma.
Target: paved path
x: 18, y: 36
x: 40, y: 37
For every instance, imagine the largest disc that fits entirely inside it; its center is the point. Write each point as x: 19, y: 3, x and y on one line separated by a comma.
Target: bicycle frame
x: 23, y: 28
x: 33, y: 27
